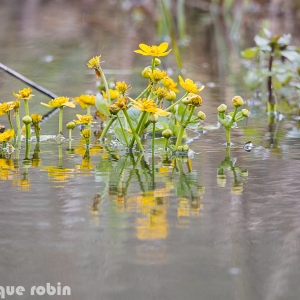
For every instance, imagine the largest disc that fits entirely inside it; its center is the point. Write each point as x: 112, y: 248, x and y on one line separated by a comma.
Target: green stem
x: 182, y: 128
x: 9, y: 120
x: 88, y: 110
x: 60, y: 119
x: 142, y: 120
x: 166, y: 144
x: 140, y: 146
x: 233, y: 117
x: 228, y: 136
x: 26, y: 107
x: 153, y: 63
x: 171, y: 106
x: 153, y: 137
x: 105, y: 130
x: 106, y: 85
x: 142, y: 93
x: 27, y: 149
x: 37, y: 132
x: 124, y: 135
x: 18, y: 124
x: 27, y: 132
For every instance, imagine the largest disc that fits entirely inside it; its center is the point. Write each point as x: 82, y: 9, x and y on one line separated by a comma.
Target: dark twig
x: 33, y: 85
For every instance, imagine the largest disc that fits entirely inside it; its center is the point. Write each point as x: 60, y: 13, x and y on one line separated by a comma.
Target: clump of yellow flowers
x: 164, y: 109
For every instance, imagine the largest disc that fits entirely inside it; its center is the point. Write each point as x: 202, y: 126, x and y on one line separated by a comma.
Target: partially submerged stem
x: 182, y: 128
x: 153, y: 137
x: 105, y: 130
x: 60, y: 124
x: 140, y: 146
x: 228, y: 139
x: 138, y: 128
x: 123, y: 132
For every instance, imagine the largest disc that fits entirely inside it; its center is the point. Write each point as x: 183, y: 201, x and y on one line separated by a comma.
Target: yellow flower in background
x: 154, y: 51
x: 170, y: 84
x: 113, y: 94
x: 94, y: 62
x: 59, y: 102
x: 5, y: 107
x: 16, y: 105
x: 24, y: 94
x: 83, y: 119
x: 190, y: 86
x: 148, y: 105
x: 122, y: 87
x: 36, y: 118
x: 7, y: 135
x: 85, y: 100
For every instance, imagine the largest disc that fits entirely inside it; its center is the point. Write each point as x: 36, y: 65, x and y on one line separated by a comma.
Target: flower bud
x: 201, y: 115
x: 186, y: 100
x: 171, y: 96
x: 27, y: 120
x: 157, y: 61
x: 180, y: 148
x: 222, y: 108
x: 167, y: 133
x: 245, y: 113
x: 153, y: 118
x: 237, y: 101
x: 146, y: 72
x: 70, y: 125
x: 185, y: 148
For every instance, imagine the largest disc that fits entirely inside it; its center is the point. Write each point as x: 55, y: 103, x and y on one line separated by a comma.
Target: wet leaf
x: 291, y: 55
x: 119, y: 134
x: 102, y: 105
x: 261, y: 42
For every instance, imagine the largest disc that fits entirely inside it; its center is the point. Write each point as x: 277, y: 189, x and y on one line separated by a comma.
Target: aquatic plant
x: 229, y: 121
x: 276, y: 61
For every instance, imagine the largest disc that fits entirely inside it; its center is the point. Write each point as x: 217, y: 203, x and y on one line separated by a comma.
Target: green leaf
x: 285, y: 39
x: 250, y: 53
x: 293, y: 56
x: 134, y: 114
x: 180, y: 111
x: 102, y: 105
x: 119, y: 134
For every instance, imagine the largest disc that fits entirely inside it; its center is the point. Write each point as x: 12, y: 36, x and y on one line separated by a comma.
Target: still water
x: 217, y: 225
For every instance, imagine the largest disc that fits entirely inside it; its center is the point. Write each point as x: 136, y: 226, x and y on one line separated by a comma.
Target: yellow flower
x: 85, y: 100
x: 122, y: 87
x: 5, y: 107
x: 154, y: 51
x: 157, y: 75
x: 7, y: 135
x: 161, y: 92
x: 16, y: 105
x: 190, y: 86
x: 94, y: 62
x: 121, y: 103
x: 84, y: 119
x: 24, y: 94
x: 170, y: 84
x: 59, y: 102
x: 148, y: 105
x: 113, y: 94
x: 36, y: 118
